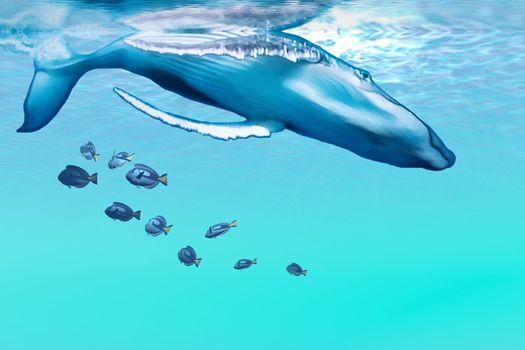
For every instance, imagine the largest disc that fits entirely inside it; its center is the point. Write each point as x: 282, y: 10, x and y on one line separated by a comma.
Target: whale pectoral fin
x: 222, y: 131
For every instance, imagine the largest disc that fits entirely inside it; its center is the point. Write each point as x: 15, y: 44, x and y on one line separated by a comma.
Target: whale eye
x: 364, y: 74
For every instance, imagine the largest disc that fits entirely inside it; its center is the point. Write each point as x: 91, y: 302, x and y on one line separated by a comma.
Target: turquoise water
x: 397, y: 258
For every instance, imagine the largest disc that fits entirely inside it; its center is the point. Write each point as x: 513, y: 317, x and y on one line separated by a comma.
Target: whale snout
x: 411, y: 142
x: 450, y: 159
x: 446, y: 160
x: 441, y: 158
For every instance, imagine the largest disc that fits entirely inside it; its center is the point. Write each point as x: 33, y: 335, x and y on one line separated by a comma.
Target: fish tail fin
x: 96, y: 157
x: 136, y: 214
x: 130, y: 157
x: 167, y: 229
x: 53, y: 81
x: 304, y: 272
x: 94, y: 178
x: 163, y: 179
x: 233, y: 223
x: 254, y: 261
x: 197, y: 262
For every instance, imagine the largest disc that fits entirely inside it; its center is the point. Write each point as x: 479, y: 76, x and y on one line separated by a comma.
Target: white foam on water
x: 242, y: 17
x: 340, y: 31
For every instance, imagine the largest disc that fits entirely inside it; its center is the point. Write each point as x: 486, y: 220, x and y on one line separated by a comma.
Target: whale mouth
x: 447, y: 155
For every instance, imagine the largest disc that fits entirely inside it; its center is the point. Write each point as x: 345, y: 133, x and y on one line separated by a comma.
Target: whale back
x: 233, y: 45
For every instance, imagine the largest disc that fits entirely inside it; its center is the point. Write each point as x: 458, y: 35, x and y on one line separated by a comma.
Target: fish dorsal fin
x: 76, y: 168
x: 143, y: 167
x: 120, y: 204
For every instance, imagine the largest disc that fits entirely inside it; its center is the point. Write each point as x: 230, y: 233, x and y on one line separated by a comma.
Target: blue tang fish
x: 158, y: 225
x: 296, y: 270
x: 143, y: 176
x: 74, y: 176
x: 121, y: 212
x: 188, y: 257
x: 89, y: 151
x: 244, y: 264
x: 119, y: 159
x: 220, y: 229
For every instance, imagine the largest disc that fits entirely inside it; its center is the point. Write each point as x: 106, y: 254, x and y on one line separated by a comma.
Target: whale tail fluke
x: 53, y: 81
x: 49, y: 90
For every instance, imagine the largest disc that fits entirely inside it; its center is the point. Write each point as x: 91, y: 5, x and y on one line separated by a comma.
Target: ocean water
x: 397, y: 258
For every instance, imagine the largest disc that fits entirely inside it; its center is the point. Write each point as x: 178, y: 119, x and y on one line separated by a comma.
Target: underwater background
x: 396, y: 258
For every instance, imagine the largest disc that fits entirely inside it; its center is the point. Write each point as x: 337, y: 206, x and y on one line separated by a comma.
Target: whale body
x: 275, y: 81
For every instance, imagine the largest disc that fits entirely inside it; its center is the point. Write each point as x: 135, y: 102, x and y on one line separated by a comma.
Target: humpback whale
x: 274, y: 80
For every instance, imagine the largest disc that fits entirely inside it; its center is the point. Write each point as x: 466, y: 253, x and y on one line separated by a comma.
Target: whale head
x: 404, y: 137
x: 361, y: 117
